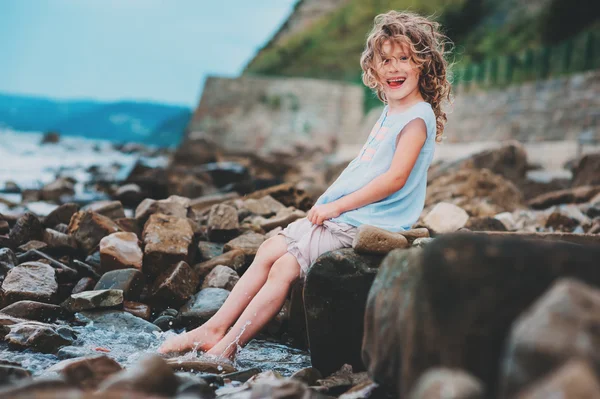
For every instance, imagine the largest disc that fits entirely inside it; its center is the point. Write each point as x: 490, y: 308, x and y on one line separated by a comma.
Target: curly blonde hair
x: 427, y: 50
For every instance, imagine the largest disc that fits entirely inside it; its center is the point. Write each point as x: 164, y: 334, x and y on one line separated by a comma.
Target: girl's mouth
x: 395, y: 83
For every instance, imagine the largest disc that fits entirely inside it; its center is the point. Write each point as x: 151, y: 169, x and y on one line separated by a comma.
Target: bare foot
x: 200, y: 339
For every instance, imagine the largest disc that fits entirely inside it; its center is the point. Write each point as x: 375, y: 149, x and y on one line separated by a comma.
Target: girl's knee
x: 285, y: 270
x: 273, y: 247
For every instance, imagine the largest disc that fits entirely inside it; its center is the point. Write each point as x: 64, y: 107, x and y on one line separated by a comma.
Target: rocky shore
x: 492, y: 294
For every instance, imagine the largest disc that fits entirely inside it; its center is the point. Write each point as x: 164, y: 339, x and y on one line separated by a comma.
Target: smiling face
x: 397, y: 74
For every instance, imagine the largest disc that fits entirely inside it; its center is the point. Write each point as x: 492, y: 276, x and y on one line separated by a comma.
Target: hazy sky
x: 158, y: 50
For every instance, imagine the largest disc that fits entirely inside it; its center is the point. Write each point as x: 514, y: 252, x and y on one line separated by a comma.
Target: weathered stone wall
x: 259, y: 113
x: 555, y: 109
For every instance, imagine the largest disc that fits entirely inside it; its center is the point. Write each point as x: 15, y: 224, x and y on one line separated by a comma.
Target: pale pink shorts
x: 306, y: 241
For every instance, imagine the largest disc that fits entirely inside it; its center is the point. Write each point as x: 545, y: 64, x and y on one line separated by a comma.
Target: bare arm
x: 409, y: 144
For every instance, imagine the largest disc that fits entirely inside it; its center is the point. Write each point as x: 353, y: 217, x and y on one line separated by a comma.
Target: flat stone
x: 175, y: 286
x: 111, y: 209
x: 38, y: 311
x: 435, y: 383
x: 120, y: 251
x: 235, y: 259
x: 201, y: 307
x: 150, y: 375
x: 33, y: 244
x: 446, y: 218
x: 88, y: 300
x: 573, y: 195
x: 40, y: 337
x: 34, y: 281
x: 119, y: 320
x: 247, y: 243
x: 138, y: 309
x: 374, y: 240
x: 173, y: 206
x: 223, y: 223
x: 221, y: 277
x: 28, y: 227
x: 61, y: 215
x: 130, y: 281
x: 89, y: 228
x: 167, y: 241
x: 88, y: 372
x: 59, y: 242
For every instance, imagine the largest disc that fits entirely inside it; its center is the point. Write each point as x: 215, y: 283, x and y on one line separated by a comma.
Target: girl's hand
x: 319, y: 213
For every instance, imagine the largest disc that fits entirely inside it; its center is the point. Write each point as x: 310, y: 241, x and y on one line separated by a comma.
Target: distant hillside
x: 330, y: 47
x: 125, y: 121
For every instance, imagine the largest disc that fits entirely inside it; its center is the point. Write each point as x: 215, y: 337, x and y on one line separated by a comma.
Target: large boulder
x: 453, y: 304
x: 335, y: 294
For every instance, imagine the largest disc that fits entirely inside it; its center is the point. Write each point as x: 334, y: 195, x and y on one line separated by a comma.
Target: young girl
x: 383, y: 186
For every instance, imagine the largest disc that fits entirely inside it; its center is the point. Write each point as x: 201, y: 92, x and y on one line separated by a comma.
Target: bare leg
x: 208, y: 334
x: 263, y: 307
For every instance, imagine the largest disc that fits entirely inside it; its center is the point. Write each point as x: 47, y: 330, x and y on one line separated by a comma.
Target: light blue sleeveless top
x: 400, y: 210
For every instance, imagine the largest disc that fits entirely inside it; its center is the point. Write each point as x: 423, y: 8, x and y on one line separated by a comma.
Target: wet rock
x: 167, y: 241
x: 446, y: 218
x: 129, y: 225
x: 33, y: 244
x: 61, y: 215
x: 200, y: 365
x: 411, y: 326
x: 120, y: 251
x: 559, y: 326
x: 73, y: 352
x: 242, y: 375
x: 223, y: 223
x: 485, y: 223
x: 40, y: 337
x: 34, y: 281
x: 88, y: 300
x: 89, y: 228
x: 111, y: 209
x: 27, y: 228
x: 335, y: 294
x: 208, y: 250
x: 221, y: 277
x: 373, y: 240
x: 86, y: 373
x: 479, y: 192
x: 585, y: 172
x: 129, y: 195
x: 84, y: 284
x: 93, y: 260
x: 63, y: 186
x: 574, y: 195
x: 59, y: 242
x: 151, y: 375
x: 10, y: 374
x: 173, y: 206
x: 201, y: 307
x: 4, y: 227
x: 234, y: 259
x: 32, y: 310
x: 557, y: 221
x: 165, y: 322
x: 247, y: 243
x: 119, y: 320
x: 137, y: 309
x: 443, y: 383
x: 130, y: 281
x: 309, y: 375
x: 576, y: 379
x: 8, y: 260
x: 175, y: 286
x: 265, y: 206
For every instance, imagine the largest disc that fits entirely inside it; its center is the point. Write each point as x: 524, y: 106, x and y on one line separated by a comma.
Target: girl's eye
x: 386, y: 61
x: 404, y: 58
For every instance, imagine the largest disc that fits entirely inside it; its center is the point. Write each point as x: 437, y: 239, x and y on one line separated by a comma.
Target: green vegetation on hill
x: 330, y: 48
